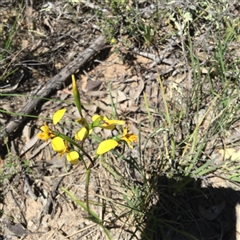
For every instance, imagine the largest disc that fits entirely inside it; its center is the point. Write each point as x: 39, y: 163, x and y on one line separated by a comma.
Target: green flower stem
x: 87, y: 189
x: 96, y: 157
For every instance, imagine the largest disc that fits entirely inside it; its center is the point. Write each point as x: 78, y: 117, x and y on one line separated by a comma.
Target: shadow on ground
x: 187, y: 211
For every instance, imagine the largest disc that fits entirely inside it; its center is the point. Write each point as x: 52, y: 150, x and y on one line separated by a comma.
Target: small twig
x: 27, y: 187
x: 156, y: 59
x: 17, y: 203
x: 51, y: 197
x: 160, y: 58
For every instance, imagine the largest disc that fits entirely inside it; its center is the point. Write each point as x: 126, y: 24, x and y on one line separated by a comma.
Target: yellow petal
x: 116, y: 122
x: 58, y: 145
x: 57, y: 116
x: 76, y: 95
x: 110, y: 124
x: 129, y: 139
x: 125, y: 130
x: 132, y: 137
x: 96, y: 120
x: 44, y: 128
x: 73, y: 157
x: 106, y: 146
x: 43, y: 136
x: 81, y: 134
x: 74, y: 85
x: 96, y: 117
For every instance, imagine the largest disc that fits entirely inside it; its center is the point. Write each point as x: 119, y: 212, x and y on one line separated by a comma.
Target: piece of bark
x: 53, y: 84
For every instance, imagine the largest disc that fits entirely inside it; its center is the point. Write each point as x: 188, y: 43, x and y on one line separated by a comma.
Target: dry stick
x: 160, y: 58
x: 55, y: 83
x: 52, y: 195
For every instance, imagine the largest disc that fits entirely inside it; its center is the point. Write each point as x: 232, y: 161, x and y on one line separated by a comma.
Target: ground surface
x: 48, y: 36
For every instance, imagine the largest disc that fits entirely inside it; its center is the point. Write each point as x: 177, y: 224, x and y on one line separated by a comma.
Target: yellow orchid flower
x: 105, y: 123
x: 60, y: 146
x: 97, y: 121
x: 73, y: 157
x: 109, y: 144
x: 82, y: 134
x: 129, y: 138
x: 46, y: 133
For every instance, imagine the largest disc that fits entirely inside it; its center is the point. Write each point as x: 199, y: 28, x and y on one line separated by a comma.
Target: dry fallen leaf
x: 29, y: 144
x: 230, y: 153
x: 92, y: 85
x: 118, y: 96
x: 139, y: 90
